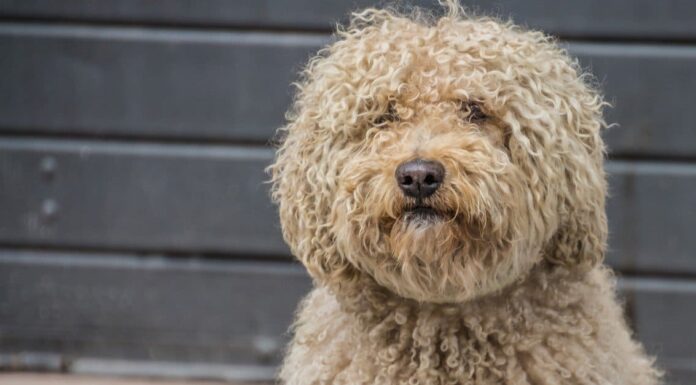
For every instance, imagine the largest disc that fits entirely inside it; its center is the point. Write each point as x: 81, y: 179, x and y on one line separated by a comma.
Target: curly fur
x: 508, y: 286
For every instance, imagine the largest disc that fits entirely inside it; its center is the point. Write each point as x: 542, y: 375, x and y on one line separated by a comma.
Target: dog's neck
x: 543, y: 288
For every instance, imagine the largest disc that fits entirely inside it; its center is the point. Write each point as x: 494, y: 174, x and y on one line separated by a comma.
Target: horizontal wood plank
x: 144, y: 83
x: 129, y: 82
x: 147, y: 308
x: 650, y: 88
x: 134, y: 196
x: 92, y: 307
x: 663, y: 315
x: 67, y: 379
x: 652, y: 214
x: 213, y: 199
x: 591, y: 18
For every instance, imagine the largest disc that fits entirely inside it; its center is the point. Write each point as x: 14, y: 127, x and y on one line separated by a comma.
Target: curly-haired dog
x: 442, y: 181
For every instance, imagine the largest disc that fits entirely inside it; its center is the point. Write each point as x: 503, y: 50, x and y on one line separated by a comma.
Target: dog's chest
x: 525, y: 342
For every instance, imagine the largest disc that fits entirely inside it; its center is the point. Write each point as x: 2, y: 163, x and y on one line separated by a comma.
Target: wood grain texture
x: 235, y: 87
x: 652, y: 214
x: 62, y: 379
x: 137, y: 196
x: 666, y: 19
x: 663, y: 314
x: 99, y: 307
x: 154, y: 309
x: 650, y: 88
x: 213, y: 199
x: 213, y: 86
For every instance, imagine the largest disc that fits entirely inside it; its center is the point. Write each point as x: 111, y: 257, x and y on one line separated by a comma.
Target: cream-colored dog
x: 441, y: 179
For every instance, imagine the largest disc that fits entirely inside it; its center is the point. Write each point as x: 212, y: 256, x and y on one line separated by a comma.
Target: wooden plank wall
x: 135, y: 224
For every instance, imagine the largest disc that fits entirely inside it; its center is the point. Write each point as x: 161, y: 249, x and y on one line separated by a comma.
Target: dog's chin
x: 434, y: 256
x: 424, y: 233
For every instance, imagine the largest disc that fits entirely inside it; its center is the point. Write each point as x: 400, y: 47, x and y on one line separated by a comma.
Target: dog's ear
x: 580, y: 239
x: 303, y: 187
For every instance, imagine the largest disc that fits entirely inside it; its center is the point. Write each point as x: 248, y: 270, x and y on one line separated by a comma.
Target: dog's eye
x: 389, y: 116
x: 473, y: 112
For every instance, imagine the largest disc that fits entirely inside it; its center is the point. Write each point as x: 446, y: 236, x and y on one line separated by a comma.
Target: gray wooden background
x: 136, y: 234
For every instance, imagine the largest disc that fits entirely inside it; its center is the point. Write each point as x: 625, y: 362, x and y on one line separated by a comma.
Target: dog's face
x: 443, y: 160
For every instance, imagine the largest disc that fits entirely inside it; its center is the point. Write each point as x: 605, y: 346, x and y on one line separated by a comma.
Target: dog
x: 441, y: 178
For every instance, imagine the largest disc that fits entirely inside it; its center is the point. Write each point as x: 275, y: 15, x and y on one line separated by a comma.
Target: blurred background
x: 136, y: 232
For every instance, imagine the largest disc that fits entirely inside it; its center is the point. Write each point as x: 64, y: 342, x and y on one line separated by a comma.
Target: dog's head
x: 444, y: 157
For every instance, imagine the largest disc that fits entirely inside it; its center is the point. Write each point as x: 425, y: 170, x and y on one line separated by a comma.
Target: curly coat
x: 507, y: 285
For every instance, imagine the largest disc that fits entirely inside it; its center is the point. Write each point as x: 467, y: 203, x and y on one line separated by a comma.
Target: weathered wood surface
x: 148, y: 84
x: 213, y: 199
x: 652, y: 214
x: 147, y: 308
x: 64, y: 379
x: 633, y: 19
x: 234, y: 86
x: 663, y: 313
x: 651, y: 88
x: 157, y: 309
x: 137, y: 196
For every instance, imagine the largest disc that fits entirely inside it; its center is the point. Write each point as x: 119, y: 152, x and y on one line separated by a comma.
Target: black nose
x: 419, y: 178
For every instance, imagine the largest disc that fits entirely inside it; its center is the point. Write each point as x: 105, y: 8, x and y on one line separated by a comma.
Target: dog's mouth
x: 422, y: 213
